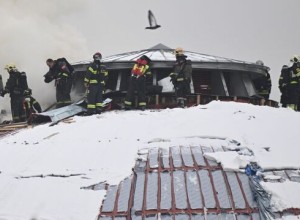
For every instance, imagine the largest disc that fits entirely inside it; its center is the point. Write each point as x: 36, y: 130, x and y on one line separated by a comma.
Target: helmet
x: 259, y: 62
x: 295, y: 59
x: 178, y: 51
x: 97, y: 56
x: 10, y: 66
x: 145, y: 58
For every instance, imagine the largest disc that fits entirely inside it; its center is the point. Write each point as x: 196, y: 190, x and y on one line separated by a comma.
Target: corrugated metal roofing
x: 180, y: 184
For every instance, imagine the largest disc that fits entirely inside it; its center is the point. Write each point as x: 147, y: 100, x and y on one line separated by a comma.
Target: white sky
x: 245, y: 30
x: 34, y: 30
x: 104, y: 148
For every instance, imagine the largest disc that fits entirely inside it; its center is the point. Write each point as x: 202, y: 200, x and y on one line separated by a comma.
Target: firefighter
x: 181, y: 77
x: 31, y: 105
x: 61, y: 71
x: 293, y: 86
x: 1, y: 83
x: 283, y: 84
x: 94, y: 81
x: 137, y: 82
x: 17, y: 87
x: 263, y: 84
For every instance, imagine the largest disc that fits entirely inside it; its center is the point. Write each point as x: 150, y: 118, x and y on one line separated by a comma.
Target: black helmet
x: 144, y: 57
x: 97, y: 56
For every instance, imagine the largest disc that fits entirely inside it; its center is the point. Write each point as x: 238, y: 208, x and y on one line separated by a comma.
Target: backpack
x: 69, y: 66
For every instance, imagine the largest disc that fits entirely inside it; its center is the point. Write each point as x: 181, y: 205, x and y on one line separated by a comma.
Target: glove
x: 173, y: 78
x: 3, y: 92
x: 86, y: 85
x: 27, y: 100
x: 173, y: 75
x: 27, y: 92
x: 103, y: 83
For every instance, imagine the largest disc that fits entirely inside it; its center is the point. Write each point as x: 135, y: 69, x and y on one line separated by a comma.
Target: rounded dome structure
x: 212, y: 75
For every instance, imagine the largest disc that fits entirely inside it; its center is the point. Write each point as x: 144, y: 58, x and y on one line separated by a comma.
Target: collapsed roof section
x: 180, y: 184
x: 56, y: 115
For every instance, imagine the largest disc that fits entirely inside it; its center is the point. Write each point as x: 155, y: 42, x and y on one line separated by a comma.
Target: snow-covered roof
x: 161, y: 52
x: 45, y: 169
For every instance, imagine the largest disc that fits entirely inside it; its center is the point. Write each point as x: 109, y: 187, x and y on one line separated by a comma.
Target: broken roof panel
x: 180, y: 184
x: 124, y: 194
x: 109, y: 203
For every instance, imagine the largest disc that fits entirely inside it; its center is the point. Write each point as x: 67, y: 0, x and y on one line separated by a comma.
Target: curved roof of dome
x: 161, y: 52
x: 164, y: 57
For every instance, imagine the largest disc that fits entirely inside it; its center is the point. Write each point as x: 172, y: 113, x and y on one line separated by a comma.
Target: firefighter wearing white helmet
x: 293, y: 86
x: 263, y: 83
x: 17, y: 87
x: 181, y: 77
x: 94, y: 81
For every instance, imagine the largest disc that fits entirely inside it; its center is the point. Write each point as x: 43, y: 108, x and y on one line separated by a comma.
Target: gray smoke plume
x: 32, y: 31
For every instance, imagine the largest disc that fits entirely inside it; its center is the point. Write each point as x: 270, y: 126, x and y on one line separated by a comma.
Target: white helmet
x: 259, y: 62
x: 178, y: 51
x: 10, y: 67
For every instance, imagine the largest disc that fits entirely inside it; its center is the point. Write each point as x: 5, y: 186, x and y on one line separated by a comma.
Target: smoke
x: 32, y: 31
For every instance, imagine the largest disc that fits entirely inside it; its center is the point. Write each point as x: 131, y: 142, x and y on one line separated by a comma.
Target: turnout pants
x: 136, y: 84
x: 63, y: 90
x: 17, y: 109
x: 94, y: 98
x: 293, y: 96
x: 182, y: 89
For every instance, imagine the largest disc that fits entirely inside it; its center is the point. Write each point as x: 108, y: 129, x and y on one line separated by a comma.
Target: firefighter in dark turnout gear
x: 181, y: 77
x: 16, y: 86
x: 137, y: 82
x: 1, y: 84
x: 31, y: 105
x: 263, y: 84
x: 61, y: 71
x: 293, y: 86
x: 94, y: 81
x: 283, y: 84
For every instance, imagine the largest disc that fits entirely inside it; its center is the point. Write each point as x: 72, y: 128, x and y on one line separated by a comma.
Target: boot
x: 127, y: 107
x: 292, y: 106
x: 98, y: 111
x: 143, y: 108
x: 90, y: 112
x: 180, y: 102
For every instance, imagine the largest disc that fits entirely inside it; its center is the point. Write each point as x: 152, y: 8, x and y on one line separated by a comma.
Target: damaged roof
x: 180, y: 183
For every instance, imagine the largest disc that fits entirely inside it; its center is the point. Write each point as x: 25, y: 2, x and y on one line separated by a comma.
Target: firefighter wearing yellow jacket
x: 137, y: 82
x: 95, y: 79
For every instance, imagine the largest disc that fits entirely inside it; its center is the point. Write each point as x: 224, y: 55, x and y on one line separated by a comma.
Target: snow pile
x: 43, y: 168
x: 283, y: 195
